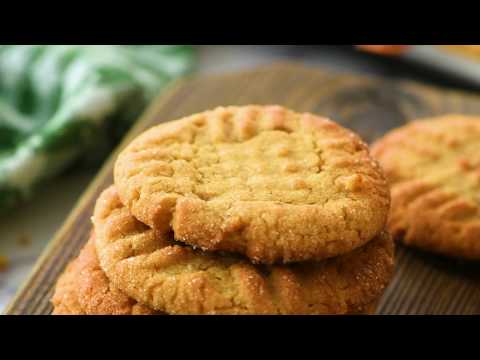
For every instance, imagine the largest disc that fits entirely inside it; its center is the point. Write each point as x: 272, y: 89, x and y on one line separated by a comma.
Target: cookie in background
x: 433, y: 166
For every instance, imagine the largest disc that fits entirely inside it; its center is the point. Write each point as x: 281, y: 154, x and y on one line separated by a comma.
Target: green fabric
x: 63, y: 103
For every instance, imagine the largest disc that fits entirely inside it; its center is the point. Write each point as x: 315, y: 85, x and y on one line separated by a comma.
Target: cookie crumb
x: 290, y: 167
x: 24, y: 240
x: 299, y: 184
x: 3, y: 263
x: 283, y: 151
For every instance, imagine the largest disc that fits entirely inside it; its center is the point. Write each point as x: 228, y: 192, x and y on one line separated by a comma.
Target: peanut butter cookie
x: 172, y: 277
x: 83, y: 289
x: 262, y: 181
x: 434, y: 170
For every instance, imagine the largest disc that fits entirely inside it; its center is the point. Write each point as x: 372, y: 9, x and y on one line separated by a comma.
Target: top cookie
x: 263, y: 181
x: 434, y: 170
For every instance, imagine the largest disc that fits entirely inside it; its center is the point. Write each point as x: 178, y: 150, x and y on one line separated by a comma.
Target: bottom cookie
x: 83, y: 289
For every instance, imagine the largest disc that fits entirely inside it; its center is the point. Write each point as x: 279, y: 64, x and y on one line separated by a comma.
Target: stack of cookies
x: 239, y: 210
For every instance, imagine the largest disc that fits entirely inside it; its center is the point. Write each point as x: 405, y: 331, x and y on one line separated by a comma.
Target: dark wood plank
x: 423, y: 283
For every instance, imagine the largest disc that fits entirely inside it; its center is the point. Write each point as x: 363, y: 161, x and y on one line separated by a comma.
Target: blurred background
x: 58, y: 103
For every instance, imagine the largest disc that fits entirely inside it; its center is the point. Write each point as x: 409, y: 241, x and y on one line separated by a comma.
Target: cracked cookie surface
x: 173, y: 278
x: 433, y: 167
x: 263, y: 181
x: 83, y: 289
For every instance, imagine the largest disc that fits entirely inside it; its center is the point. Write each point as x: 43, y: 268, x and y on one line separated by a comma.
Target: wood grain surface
x: 423, y: 283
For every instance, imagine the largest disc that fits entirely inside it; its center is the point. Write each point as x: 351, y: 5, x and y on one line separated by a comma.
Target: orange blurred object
x: 384, y: 49
x: 3, y: 263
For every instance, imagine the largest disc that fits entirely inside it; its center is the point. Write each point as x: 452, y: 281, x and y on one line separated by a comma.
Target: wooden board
x: 423, y: 283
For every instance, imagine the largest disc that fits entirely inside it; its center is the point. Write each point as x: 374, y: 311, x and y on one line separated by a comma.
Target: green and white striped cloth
x: 63, y: 103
